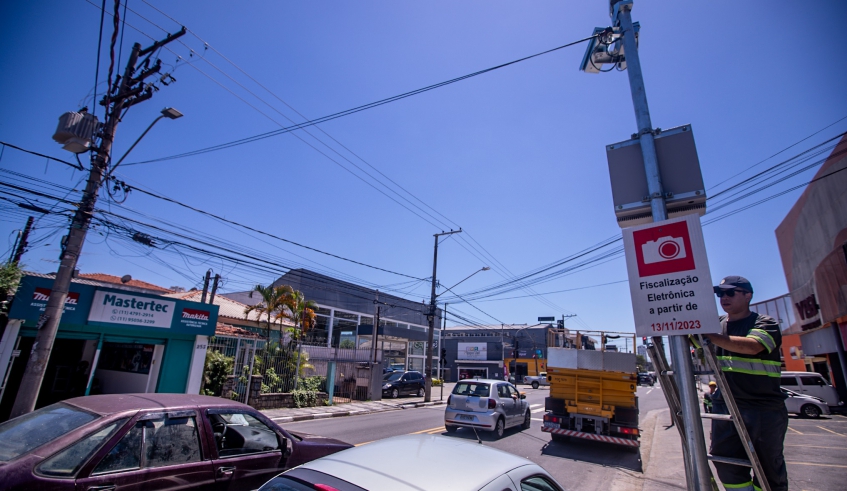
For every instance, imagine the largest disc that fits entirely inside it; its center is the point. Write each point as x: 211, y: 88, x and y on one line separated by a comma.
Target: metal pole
x: 206, y: 287
x: 431, y: 319
x: 20, y: 247
x: 694, y: 439
x: 442, y: 359
x: 215, y: 289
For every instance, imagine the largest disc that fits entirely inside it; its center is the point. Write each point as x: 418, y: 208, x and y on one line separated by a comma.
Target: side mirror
x: 286, y: 448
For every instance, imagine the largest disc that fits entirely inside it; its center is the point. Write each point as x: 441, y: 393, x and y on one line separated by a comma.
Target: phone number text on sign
x: 669, y: 279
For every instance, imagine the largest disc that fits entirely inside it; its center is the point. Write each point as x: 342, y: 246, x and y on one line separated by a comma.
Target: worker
x: 707, y: 397
x: 748, y: 355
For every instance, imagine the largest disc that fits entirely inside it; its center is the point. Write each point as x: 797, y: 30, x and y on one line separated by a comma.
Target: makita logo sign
x: 200, y: 315
x: 43, y: 295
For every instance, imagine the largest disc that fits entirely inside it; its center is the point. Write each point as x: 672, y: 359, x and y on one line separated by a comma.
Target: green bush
x: 437, y: 382
x: 215, y: 371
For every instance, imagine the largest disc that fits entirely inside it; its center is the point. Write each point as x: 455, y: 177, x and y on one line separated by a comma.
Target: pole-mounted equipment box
x: 679, y: 166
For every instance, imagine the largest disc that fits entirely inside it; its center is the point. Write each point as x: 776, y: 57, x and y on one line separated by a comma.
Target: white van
x: 811, y: 384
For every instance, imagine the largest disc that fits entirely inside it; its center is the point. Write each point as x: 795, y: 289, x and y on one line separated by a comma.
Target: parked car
x: 812, y: 384
x: 646, y: 379
x: 403, y: 383
x: 490, y: 405
x: 806, y: 406
x: 536, y: 380
x: 150, y: 441
x: 419, y: 463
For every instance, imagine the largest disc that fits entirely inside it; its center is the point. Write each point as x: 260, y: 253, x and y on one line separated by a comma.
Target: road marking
x: 648, y: 392
x: 535, y: 406
x: 437, y: 428
x: 814, y: 446
x: 537, y: 419
x: 795, y: 431
x: 363, y: 443
x: 818, y: 465
x: 834, y: 433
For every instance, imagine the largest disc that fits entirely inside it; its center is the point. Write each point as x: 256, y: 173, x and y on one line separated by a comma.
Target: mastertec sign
x: 669, y: 278
x: 106, y: 307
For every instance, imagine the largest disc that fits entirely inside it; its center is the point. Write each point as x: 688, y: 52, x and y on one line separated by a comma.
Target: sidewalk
x: 287, y: 415
x: 663, y: 464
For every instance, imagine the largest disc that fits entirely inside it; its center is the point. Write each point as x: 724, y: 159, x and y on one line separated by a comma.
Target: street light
x: 167, y: 112
x: 484, y: 268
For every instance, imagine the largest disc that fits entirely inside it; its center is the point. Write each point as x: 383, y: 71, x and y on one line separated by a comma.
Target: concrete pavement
x: 287, y: 415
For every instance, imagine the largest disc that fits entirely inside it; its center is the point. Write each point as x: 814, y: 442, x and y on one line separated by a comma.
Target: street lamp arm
x: 167, y: 112
x: 474, y: 306
x: 484, y: 268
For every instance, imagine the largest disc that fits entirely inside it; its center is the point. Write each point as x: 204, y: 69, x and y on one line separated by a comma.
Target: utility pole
x: 129, y: 91
x: 373, y: 387
x: 22, y: 243
x: 205, y: 286
x: 214, y: 288
x: 431, y: 319
x: 442, y: 359
x: 698, y: 468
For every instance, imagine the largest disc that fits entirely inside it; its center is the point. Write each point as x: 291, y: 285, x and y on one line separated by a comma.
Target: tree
x: 274, y: 301
x: 10, y: 276
x: 641, y: 363
x: 300, y: 311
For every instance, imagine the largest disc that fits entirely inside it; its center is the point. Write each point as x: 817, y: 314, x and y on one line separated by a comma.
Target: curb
x: 358, y: 412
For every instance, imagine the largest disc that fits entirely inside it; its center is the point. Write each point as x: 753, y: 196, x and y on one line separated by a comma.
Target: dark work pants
x: 767, y: 429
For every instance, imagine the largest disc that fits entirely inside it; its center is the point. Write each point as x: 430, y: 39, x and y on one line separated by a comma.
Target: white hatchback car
x: 806, y: 406
x: 419, y: 463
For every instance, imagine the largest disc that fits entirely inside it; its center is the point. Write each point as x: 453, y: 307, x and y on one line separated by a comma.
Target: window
x: 538, y: 483
x: 503, y: 390
x: 20, y: 435
x: 471, y: 389
x: 417, y: 348
x: 154, y: 443
x: 67, y: 462
x: 812, y: 381
x: 241, y: 433
x: 789, y: 381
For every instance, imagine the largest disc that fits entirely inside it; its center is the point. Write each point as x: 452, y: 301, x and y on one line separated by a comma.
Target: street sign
x: 546, y: 319
x: 669, y: 278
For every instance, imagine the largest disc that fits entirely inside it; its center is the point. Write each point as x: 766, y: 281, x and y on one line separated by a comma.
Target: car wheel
x: 451, y: 429
x: 535, y: 385
x: 526, y: 421
x: 395, y: 393
x: 500, y: 428
x: 421, y: 392
x: 559, y: 438
x: 810, y: 411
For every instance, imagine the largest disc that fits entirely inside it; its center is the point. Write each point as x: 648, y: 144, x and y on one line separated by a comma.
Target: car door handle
x: 225, y: 471
x: 105, y: 487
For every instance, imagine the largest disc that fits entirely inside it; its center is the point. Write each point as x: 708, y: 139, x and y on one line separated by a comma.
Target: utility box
x: 679, y: 167
x: 76, y: 131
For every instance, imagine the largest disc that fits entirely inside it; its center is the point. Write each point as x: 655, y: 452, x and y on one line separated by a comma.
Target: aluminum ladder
x: 671, y: 390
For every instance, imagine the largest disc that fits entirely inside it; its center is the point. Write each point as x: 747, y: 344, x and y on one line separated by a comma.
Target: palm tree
x: 274, y: 301
x: 302, y: 313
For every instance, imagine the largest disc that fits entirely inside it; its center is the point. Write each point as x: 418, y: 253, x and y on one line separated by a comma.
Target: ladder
x: 671, y: 390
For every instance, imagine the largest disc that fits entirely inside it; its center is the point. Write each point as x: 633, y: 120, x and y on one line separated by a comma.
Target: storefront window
x: 416, y: 364
x: 344, y: 333
x: 366, y: 321
x: 124, y: 357
x: 417, y: 348
x: 347, y: 316
x: 318, y: 334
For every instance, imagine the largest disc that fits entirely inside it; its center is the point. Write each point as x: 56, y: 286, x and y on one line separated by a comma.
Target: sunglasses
x: 720, y: 292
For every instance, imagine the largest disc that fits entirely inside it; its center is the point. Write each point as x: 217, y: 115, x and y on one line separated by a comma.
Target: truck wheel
x: 527, y: 420
x: 810, y: 411
x: 500, y: 428
x: 535, y: 384
x: 560, y: 438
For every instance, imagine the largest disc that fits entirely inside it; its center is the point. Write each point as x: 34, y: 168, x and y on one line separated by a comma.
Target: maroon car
x: 150, y: 441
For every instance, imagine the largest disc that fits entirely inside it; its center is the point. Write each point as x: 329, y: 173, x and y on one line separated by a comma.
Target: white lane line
x: 537, y: 419
x: 535, y: 405
x: 648, y: 392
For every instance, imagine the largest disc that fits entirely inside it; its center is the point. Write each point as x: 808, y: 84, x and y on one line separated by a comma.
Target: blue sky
x: 515, y: 156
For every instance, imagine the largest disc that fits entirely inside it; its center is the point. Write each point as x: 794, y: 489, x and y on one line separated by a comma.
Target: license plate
x: 465, y: 417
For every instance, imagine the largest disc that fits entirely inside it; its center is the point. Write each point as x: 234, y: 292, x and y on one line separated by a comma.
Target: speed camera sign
x: 669, y: 278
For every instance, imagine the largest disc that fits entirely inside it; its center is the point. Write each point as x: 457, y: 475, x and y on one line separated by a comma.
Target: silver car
x: 485, y: 404
x: 806, y: 406
x: 417, y: 463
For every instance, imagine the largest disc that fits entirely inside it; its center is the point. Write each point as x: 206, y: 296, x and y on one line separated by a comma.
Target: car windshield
x: 394, y: 377
x: 20, y: 435
x: 472, y: 389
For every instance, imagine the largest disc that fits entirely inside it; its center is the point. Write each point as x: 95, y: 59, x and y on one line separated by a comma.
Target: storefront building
x: 495, y: 351
x: 346, y: 313
x: 111, y: 339
x: 812, y: 243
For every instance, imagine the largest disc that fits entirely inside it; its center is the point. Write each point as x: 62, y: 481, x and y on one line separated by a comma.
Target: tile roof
x: 228, y: 307
x: 231, y: 331
x: 108, y: 278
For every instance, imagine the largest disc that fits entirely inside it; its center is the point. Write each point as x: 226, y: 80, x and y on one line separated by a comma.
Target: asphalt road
x: 576, y: 464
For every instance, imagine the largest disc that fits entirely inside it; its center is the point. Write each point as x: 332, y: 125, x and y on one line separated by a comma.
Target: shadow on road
x: 595, y: 453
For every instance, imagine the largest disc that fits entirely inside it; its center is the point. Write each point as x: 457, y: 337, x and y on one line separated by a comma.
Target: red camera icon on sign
x: 663, y: 249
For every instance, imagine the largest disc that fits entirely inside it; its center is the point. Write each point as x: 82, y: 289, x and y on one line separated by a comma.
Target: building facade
x: 812, y: 241
x: 346, y: 315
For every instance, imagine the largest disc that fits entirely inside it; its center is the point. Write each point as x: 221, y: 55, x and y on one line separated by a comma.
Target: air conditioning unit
x: 76, y: 131
x: 679, y: 167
